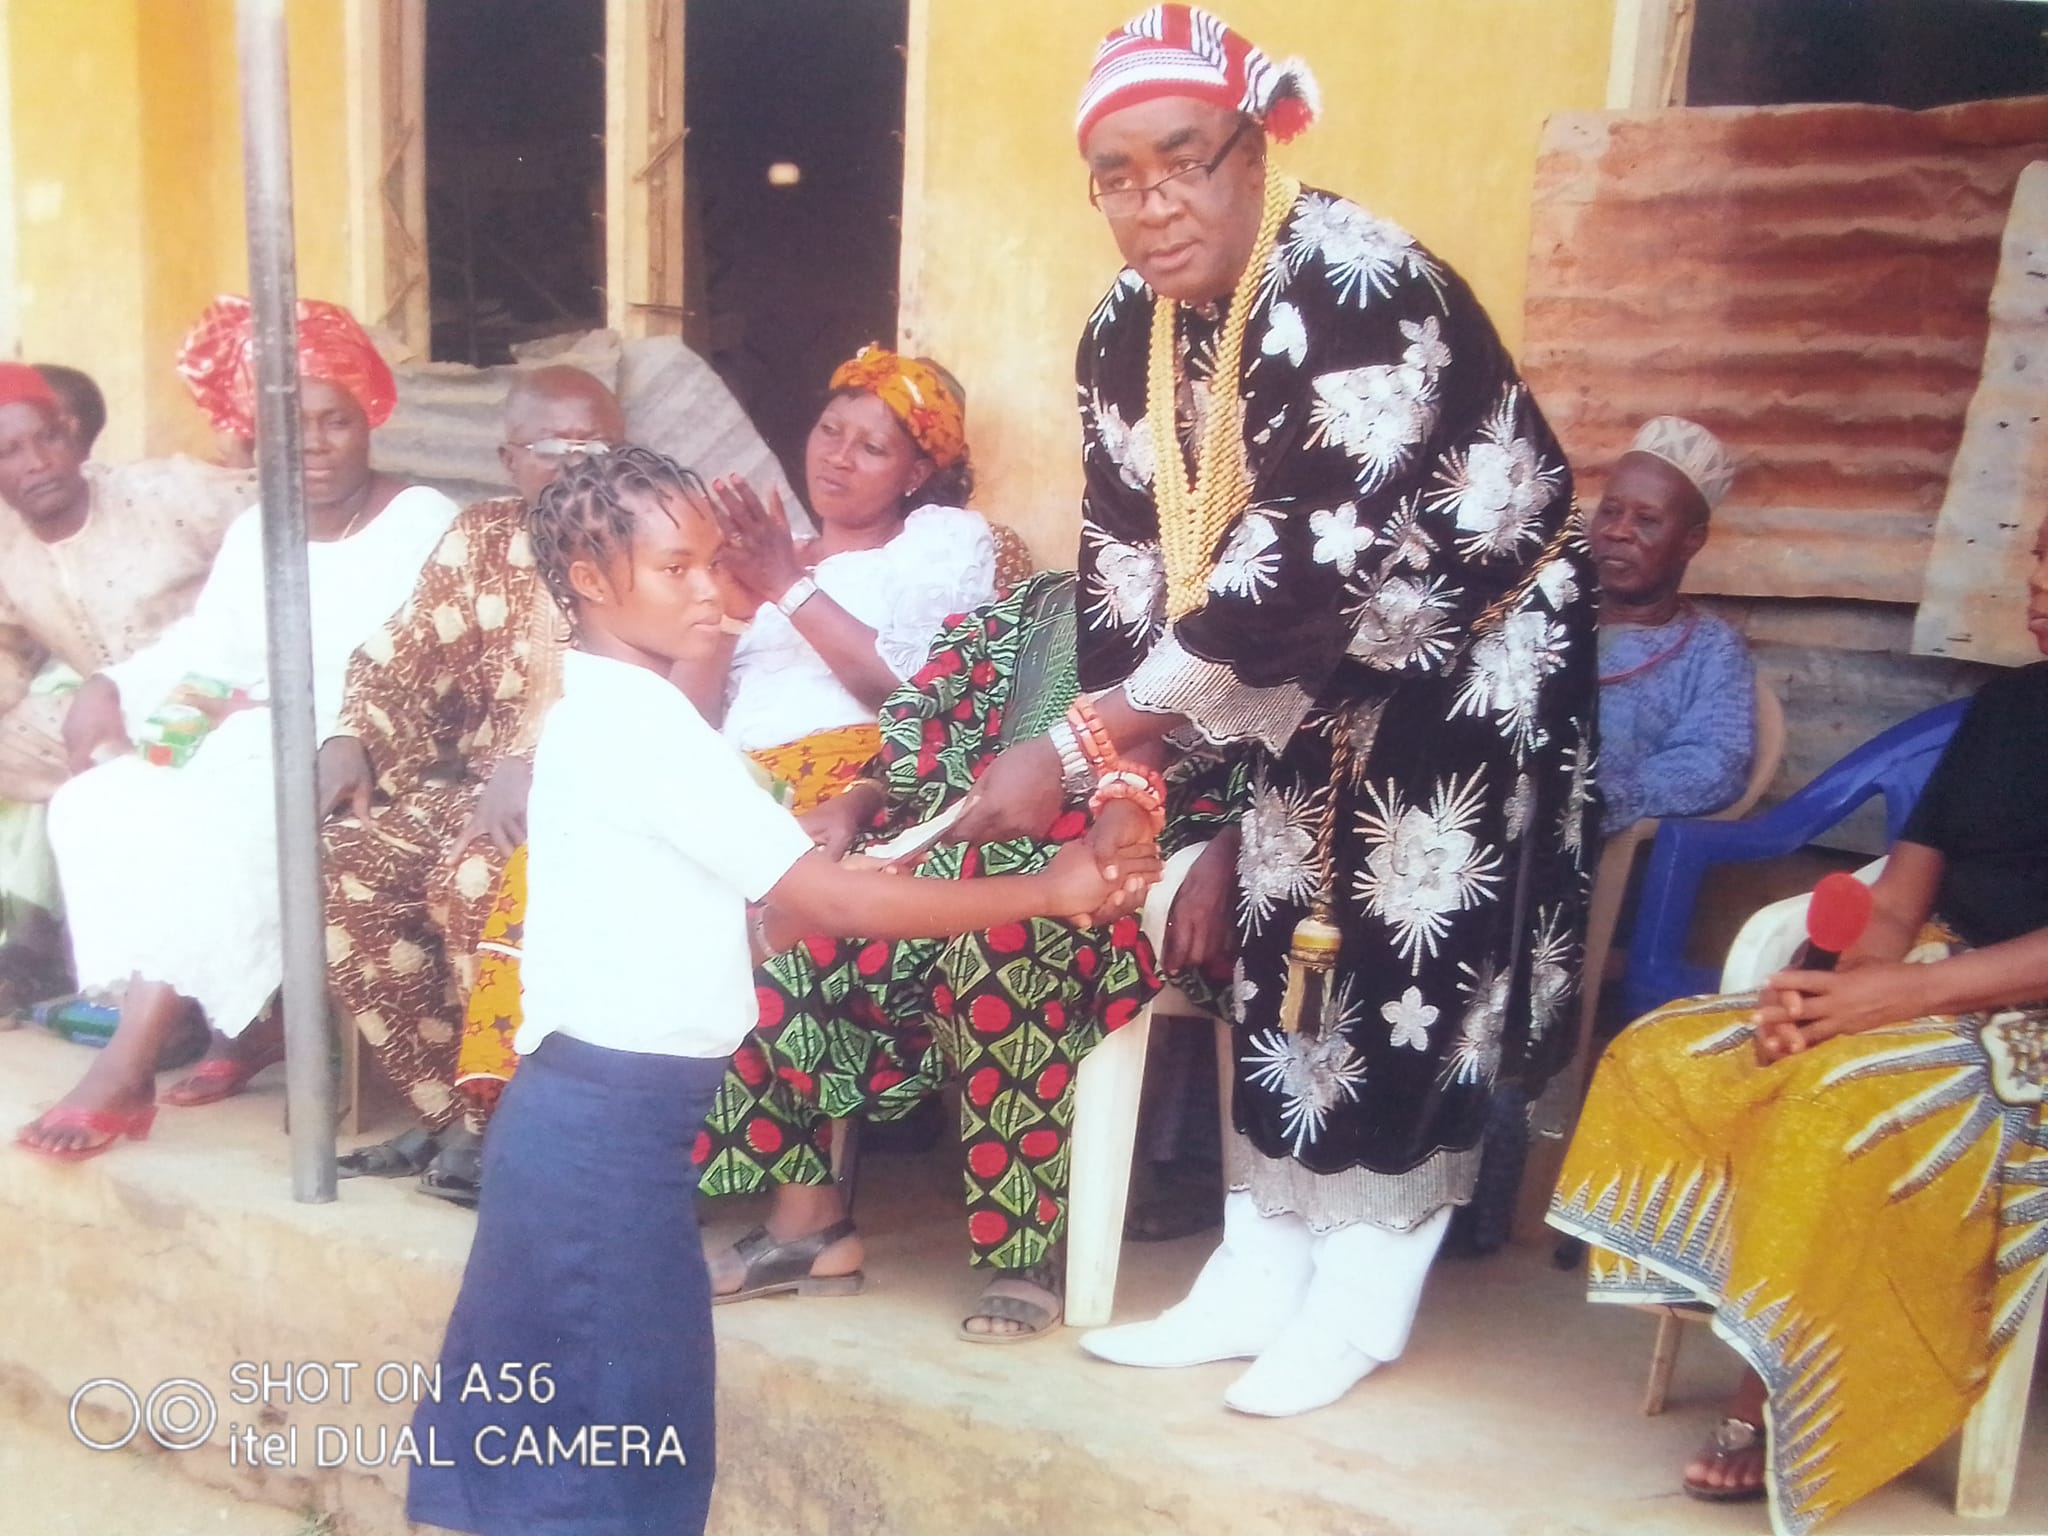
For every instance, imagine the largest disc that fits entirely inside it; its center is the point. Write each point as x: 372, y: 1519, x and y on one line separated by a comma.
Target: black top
x: 1985, y: 810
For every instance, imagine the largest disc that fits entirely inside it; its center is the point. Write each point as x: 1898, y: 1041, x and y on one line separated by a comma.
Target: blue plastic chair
x: 1896, y: 764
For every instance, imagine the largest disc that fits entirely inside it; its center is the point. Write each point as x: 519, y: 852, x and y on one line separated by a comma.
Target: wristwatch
x: 801, y: 591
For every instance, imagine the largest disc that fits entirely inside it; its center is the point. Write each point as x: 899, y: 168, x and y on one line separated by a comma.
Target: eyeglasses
x: 1123, y: 202
x: 563, y: 447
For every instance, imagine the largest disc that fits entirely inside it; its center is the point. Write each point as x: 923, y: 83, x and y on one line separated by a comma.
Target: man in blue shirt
x: 1677, y: 688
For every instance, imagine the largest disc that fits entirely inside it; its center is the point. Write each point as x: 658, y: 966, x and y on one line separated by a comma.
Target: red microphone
x: 1835, y: 920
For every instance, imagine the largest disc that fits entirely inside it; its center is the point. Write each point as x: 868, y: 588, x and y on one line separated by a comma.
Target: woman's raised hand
x: 1019, y: 795
x: 760, y: 553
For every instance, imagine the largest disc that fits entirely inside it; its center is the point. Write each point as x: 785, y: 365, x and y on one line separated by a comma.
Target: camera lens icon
x: 179, y: 1414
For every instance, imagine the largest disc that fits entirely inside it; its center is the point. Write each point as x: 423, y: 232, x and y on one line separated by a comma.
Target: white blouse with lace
x: 780, y: 689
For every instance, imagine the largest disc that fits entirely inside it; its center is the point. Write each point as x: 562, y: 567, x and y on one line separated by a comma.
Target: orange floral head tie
x: 920, y: 394
x: 218, y: 362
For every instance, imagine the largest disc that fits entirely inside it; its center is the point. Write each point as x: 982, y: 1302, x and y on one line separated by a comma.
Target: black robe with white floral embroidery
x: 1408, y: 578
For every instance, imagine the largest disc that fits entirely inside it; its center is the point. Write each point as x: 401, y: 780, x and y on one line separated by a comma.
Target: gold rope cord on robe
x: 1193, y: 520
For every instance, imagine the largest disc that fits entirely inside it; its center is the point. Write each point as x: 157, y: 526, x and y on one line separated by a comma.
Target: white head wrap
x: 1693, y: 451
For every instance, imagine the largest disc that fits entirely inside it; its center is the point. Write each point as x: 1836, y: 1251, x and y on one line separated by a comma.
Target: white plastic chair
x: 1991, y: 1435
x: 1105, y: 1129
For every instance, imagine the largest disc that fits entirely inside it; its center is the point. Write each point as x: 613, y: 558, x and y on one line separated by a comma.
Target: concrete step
x: 1515, y: 1410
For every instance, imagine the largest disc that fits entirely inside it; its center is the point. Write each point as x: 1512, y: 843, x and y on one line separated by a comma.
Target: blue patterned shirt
x: 1677, y: 719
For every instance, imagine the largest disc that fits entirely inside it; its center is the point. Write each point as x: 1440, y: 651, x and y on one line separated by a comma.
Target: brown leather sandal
x: 1018, y: 1296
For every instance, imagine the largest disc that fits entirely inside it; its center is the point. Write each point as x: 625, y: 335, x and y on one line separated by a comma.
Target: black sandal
x: 1732, y: 1439
x: 773, y: 1269
x: 1017, y: 1296
x: 401, y: 1157
x: 456, y: 1173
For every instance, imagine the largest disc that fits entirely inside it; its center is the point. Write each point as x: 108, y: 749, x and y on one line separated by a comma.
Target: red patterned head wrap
x: 1183, y: 50
x: 921, y: 394
x: 218, y: 362
x: 22, y: 385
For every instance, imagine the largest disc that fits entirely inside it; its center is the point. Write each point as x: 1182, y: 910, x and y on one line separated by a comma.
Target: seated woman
x: 1847, y: 1167
x: 169, y: 862
x: 836, y: 624
x: 863, y: 1028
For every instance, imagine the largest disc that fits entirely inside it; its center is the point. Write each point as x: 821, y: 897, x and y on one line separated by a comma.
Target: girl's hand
x: 1080, y: 886
x: 760, y: 553
x: 834, y: 824
x: 1019, y: 795
x: 1800, y: 1009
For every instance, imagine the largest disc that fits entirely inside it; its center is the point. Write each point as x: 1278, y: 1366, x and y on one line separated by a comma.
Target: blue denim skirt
x: 577, y: 1373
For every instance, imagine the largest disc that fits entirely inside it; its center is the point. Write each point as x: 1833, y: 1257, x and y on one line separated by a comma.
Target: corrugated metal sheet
x: 448, y: 424
x: 1975, y: 601
x: 1810, y: 282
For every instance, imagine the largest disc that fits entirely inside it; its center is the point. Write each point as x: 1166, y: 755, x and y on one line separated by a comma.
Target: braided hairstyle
x: 583, y: 514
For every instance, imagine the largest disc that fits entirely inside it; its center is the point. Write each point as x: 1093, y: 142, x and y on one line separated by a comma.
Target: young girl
x: 577, y: 1367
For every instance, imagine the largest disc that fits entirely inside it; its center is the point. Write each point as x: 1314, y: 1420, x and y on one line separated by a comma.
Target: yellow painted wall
x: 126, y: 138
x: 1431, y: 113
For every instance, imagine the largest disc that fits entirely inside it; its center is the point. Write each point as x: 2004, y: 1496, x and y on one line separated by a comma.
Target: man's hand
x: 1201, y: 933
x: 93, y: 722
x: 1122, y: 835
x: 500, y: 814
x: 1083, y: 886
x: 834, y: 824
x: 1020, y: 795
x: 343, y: 776
x: 1797, y: 1010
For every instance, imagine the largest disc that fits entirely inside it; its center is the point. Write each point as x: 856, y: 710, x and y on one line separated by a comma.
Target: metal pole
x: 273, y: 292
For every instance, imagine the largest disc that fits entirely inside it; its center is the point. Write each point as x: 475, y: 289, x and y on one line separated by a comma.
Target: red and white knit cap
x: 1183, y: 50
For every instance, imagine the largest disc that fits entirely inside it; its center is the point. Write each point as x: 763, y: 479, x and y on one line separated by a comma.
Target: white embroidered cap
x: 1693, y: 451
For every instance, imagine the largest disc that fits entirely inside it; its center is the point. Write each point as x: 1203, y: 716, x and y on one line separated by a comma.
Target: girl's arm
x: 821, y: 895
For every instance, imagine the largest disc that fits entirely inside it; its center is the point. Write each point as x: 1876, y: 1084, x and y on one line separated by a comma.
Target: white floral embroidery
x: 1285, y: 336
x: 1365, y: 256
x: 1497, y: 488
x: 1312, y: 1074
x: 1404, y: 623
x: 1129, y: 447
x: 1339, y: 539
x: 1425, y: 865
x: 1250, y: 563
x: 1242, y: 990
x: 1474, y: 1057
x: 1558, y: 583
x: 1505, y: 679
x: 1127, y: 585
x: 1409, y: 542
x: 1550, y: 972
x: 1411, y: 1018
x: 1572, y: 819
x: 1521, y: 802
x: 1127, y: 284
x: 1379, y: 415
x: 1276, y: 855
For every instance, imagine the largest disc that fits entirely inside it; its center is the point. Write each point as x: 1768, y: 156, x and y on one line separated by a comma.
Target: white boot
x: 1356, y: 1316
x: 1243, y: 1297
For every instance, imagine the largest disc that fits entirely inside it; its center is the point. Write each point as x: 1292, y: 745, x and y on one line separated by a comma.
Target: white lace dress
x: 780, y: 690
x: 171, y: 873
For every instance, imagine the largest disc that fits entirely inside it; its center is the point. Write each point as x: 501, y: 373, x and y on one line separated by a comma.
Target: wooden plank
x: 1975, y: 600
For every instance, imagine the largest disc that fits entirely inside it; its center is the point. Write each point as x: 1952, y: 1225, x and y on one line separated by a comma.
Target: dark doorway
x: 1894, y: 53
x: 793, y: 178
x: 515, y: 172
